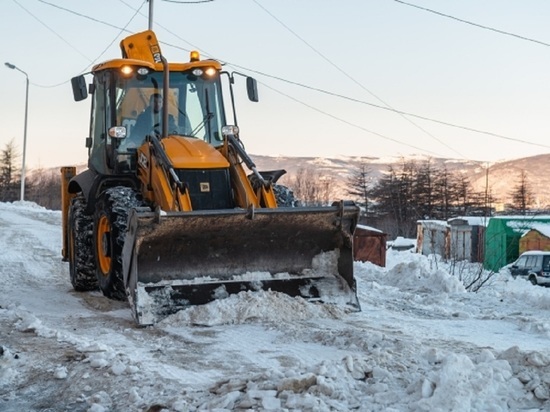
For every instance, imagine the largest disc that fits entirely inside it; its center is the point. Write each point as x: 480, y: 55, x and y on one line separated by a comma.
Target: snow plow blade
x: 174, y: 260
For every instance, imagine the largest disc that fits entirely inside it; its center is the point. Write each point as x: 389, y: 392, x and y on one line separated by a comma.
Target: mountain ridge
x: 501, y: 176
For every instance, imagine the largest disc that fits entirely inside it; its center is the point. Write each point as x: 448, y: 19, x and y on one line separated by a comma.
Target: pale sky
x: 380, y: 52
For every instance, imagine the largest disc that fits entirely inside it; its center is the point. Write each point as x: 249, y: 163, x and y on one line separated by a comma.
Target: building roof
x: 542, y: 228
x: 471, y: 220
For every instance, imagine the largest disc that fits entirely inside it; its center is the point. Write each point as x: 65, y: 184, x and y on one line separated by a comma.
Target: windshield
x: 195, y: 107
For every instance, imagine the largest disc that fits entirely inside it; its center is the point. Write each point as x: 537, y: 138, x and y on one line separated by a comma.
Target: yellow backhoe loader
x: 177, y: 214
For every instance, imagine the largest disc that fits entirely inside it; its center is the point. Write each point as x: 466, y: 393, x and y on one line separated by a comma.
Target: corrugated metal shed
x: 433, y: 237
x: 467, y: 238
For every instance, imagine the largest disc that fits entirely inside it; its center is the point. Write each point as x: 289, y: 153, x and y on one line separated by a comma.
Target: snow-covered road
x: 421, y: 343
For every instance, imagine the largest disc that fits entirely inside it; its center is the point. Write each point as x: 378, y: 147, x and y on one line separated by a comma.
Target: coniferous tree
x: 9, y: 173
x: 360, y: 186
x: 522, y: 195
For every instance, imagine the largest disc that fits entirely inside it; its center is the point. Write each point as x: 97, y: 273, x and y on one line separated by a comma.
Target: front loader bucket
x: 172, y: 260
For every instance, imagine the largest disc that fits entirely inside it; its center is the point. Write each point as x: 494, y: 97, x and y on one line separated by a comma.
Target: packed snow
x: 422, y: 342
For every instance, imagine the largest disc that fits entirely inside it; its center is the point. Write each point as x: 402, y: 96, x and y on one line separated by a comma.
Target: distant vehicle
x: 534, y: 266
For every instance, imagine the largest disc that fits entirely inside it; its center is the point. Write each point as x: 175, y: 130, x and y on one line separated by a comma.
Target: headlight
x: 230, y: 130
x: 117, y: 132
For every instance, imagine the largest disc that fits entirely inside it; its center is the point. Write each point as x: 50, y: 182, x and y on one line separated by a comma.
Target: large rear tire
x: 81, y: 256
x: 110, y: 224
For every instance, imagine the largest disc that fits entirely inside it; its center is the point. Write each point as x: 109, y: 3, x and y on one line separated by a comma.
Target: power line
x: 165, y: 28
x: 350, y: 123
x: 345, y: 97
x: 188, y: 2
x: 471, y: 129
x: 353, y: 79
x: 79, y: 14
x: 53, y: 31
x: 473, y: 24
x: 123, y: 29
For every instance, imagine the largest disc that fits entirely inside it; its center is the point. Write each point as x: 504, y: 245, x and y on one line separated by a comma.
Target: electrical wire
x: 353, y: 79
x: 80, y: 14
x: 122, y: 30
x: 52, y: 30
x: 194, y: 47
x: 350, y: 123
x: 470, y: 129
x: 472, y: 23
x: 84, y: 70
x: 188, y: 2
x: 344, y: 97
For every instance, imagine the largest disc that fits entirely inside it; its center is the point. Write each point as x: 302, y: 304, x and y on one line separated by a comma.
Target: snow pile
x: 260, y: 306
x: 412, y: 272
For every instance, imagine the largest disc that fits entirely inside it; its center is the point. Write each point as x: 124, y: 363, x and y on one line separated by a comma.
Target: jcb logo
x: 143, y: 160
x: 205, y: 186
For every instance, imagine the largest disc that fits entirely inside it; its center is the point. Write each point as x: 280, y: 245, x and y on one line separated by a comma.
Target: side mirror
x: 80, y: 91
x: 252, y: 89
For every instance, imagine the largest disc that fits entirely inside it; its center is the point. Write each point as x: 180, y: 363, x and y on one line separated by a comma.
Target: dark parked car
x: 534, y: 266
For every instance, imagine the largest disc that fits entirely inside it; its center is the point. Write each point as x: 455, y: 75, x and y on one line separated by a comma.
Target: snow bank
x: 411, y: 272
x: 260, y: 306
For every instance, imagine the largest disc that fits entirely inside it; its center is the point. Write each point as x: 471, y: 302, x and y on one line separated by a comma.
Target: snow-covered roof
x: 543, y: 228
x: 472, y: 220
x: 372, y: 229
x: 524, y: 226
x: 535, y: 252
x: 433, y: 224
x: 401, y: 241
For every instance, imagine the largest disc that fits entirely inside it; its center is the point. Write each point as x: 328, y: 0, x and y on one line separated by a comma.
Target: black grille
x: 208, y: 189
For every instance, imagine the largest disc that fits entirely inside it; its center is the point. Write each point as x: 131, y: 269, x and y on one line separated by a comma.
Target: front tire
x: 81, y: 256
x: 110, y: 224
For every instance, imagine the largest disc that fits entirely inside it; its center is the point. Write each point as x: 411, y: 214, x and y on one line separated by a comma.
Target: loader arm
x: 247, y: 194
x: 161, y: 184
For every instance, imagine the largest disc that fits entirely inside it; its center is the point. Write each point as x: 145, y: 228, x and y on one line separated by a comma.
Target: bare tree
x: 312, y: 189
x: 44, y: 188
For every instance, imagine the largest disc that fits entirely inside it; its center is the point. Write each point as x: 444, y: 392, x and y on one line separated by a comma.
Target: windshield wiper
x: 206, y: 118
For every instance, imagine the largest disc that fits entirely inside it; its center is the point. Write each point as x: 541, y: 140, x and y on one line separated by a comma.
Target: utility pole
x: 150, y: 14
x: 14, y: 67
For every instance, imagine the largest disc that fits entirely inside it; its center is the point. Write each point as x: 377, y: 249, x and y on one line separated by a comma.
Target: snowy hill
x: 421, y: 342
x: 501, y: 177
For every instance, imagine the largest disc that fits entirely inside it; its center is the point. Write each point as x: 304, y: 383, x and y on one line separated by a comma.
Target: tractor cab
x: 125, y: 110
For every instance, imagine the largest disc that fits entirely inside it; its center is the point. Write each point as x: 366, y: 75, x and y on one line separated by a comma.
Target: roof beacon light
x: 194, y: 56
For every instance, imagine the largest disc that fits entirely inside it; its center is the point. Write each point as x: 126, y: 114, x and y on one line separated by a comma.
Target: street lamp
x: 12, y: 66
